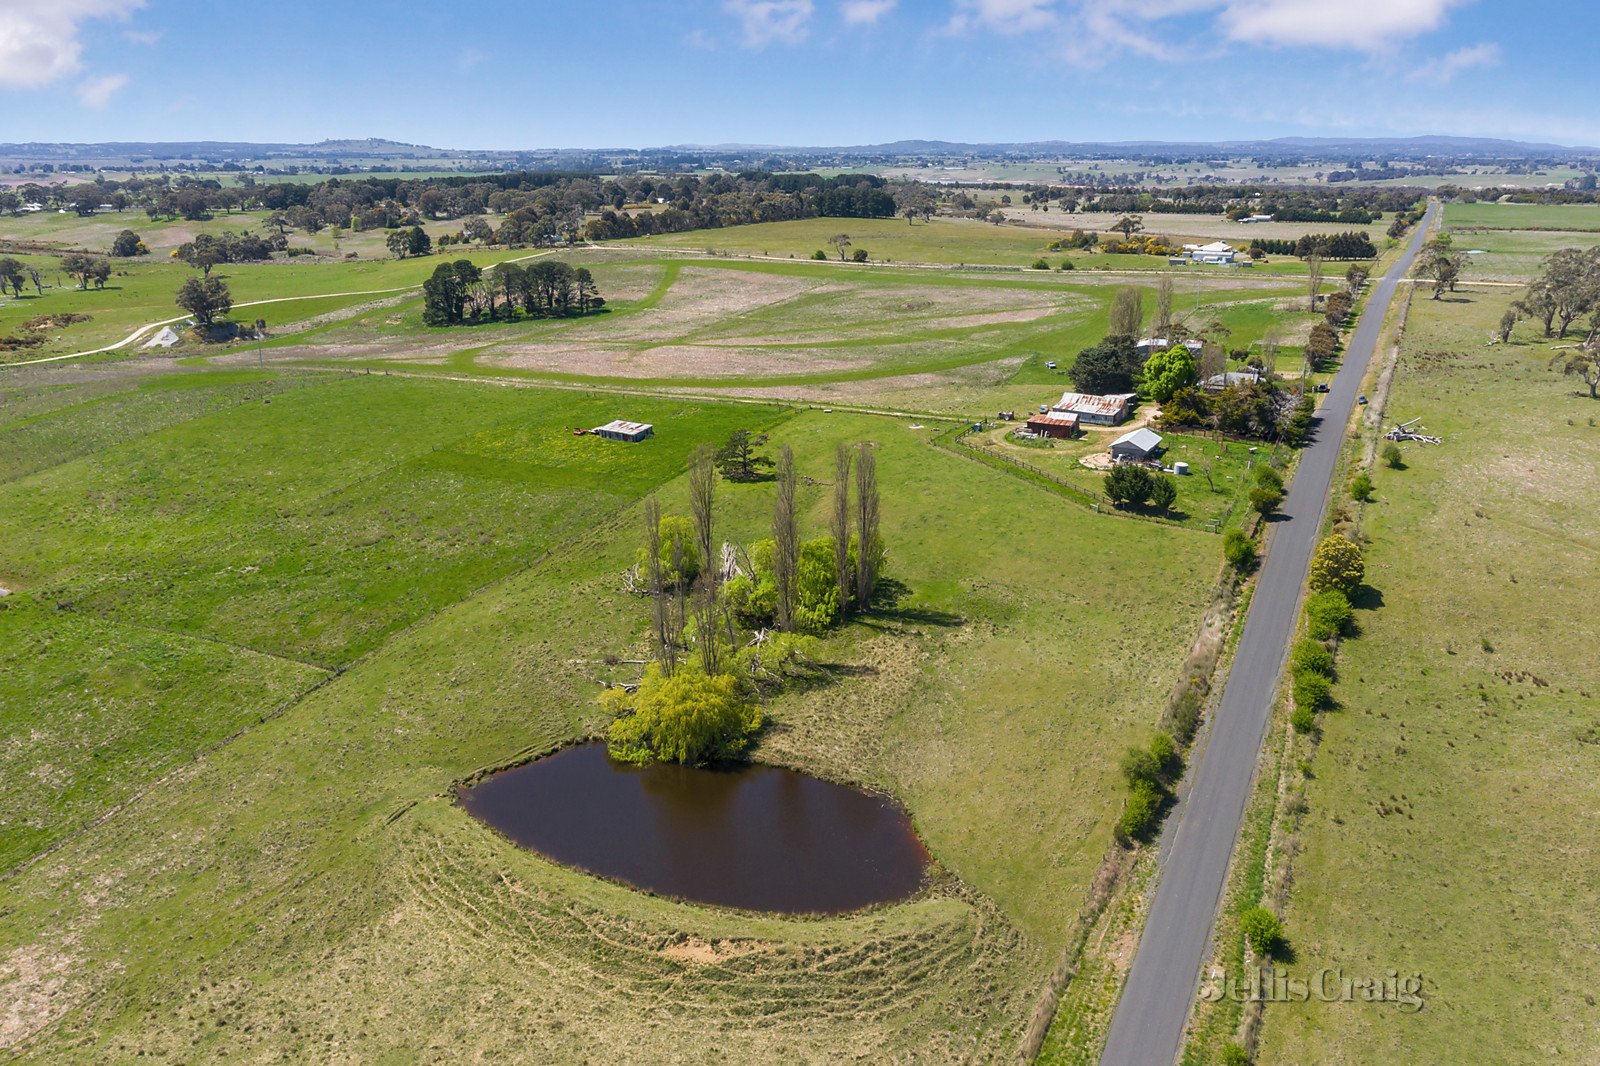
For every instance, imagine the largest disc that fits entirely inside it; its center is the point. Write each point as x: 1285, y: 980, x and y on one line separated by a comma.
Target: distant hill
x: 1311, y: 147
x: 368, y: 152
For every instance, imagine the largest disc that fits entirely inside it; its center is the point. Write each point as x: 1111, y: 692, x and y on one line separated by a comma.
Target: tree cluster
x: 1132, y: 485
x: 1257, y: 410
x: 725, y: 624
x: 1567, y: 289
x: 461, y: 292
x: 87, y: 269
x: 1109, y: 366
x: 1352, y: 245
x: 207, y: 250
x: 409, y: 242
x: 1150, y: 774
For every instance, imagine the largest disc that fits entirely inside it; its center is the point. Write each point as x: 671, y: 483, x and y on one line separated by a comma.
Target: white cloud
x: 144, y: 37
x: 1002, y: 16
x: 39, y: 38
x: 1090, y: 31
x: 97, y: 92
x: 865, y: 12
x: 764, y: 22
x: 1366, y: 25
x: 1444, y: 68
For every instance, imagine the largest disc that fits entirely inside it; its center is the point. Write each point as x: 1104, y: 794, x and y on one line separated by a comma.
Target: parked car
x: 1361, y: 399
x: 1051, y: 365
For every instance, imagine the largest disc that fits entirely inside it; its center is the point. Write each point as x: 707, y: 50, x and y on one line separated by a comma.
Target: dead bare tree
x: 866, y: 525
x: 1314, y: 277
x: 680, y: 619
x: 1164, y: 307
x: 707, y: 627
x: 785, y: 539
x: 702, y: 494
x: 841, y: 521
x: 707, y: 615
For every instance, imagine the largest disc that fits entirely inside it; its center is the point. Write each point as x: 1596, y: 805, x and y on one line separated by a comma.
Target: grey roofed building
x: 1146, y: 345
x: 1218, y: 382
x: 618, y: 429
x: 1141, y: 443
x: 1107, y: 410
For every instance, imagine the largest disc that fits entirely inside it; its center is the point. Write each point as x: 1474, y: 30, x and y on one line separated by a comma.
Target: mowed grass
x: 1449, y: 824
x: 1516, y: 238
x: 1523, y: 216
x: 309, y: 889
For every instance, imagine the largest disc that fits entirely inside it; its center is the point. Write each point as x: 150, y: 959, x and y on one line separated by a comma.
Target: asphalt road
x: 1150, y: 1018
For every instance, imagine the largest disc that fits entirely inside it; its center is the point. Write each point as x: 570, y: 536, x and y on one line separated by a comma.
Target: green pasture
x: 1445, y: 834
x: 454, y: 555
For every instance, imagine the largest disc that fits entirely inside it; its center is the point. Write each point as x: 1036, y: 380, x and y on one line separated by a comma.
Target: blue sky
x: 542, y: 73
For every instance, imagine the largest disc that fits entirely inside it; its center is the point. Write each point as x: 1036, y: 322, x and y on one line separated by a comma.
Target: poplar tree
x: 866, y: 525
x: 841, y: 522
x: 785, y: 539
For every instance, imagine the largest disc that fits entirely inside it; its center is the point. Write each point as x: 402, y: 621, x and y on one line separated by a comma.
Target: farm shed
x: 1054, y: 424
x: 1093, y: 410
x: 1137, y: 446
x: 622, y: 430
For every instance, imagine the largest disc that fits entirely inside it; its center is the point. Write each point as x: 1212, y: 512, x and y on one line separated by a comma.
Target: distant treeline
x: 540, y: 206
x: 1583, y: 191
x: 1358, y: 206
x: 1328, y: 245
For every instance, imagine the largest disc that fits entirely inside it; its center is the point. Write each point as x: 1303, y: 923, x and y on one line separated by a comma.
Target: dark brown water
x: 755, y: 837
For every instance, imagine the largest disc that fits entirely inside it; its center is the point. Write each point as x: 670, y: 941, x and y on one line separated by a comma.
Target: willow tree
x: 866, y: 525
x: 785, y: 540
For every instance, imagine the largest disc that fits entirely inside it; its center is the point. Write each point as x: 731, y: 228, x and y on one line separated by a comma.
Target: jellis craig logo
x: 1327, y: 985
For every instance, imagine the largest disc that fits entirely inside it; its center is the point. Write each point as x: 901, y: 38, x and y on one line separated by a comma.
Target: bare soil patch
x: 36, y: 988
x: 670, y: 360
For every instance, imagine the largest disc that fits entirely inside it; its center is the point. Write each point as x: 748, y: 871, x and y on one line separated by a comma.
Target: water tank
x: 1180, y: 468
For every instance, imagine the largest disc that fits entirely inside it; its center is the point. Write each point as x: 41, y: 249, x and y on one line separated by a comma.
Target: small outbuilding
x: 622, y: 430
x: 1058, y: 424
x: 1138, y: 446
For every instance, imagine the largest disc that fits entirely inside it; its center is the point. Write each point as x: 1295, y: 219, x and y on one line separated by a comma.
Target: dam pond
x: 751, y: 836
